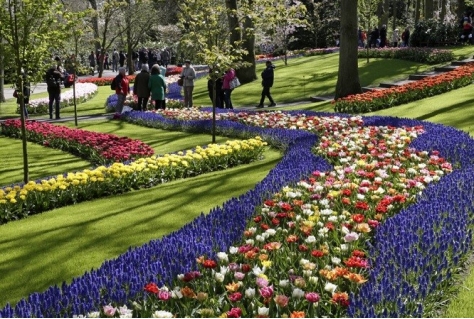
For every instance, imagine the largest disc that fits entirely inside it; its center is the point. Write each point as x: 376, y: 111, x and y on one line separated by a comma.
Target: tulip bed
x: 421, y: 55
x: 84, y: 92
x: 368, y: 220
x: 381, y: 99
x: 98, y: 148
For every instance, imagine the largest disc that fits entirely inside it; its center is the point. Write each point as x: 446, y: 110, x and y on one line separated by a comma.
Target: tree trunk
x: 386, y: 9
x: 232, y: 19
x: 443, y: 10
x: 2, y: 78
x: 394, y: 18
x: 429, y: 9
x: 246, y: 74
x: 95, y: 24
x: 461, y: 8
x: 348, y: 74
x: 417, y: 11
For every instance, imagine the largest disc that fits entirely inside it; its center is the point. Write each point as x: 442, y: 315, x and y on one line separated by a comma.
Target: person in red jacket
x: 122, y: 89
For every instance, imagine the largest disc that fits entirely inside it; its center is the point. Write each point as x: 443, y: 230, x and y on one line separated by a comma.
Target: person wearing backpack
x: 122, y: 88
x: 53, y: 82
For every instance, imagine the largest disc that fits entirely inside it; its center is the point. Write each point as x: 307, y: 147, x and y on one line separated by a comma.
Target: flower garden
x: 84, y: 92
x: 380, y: 99
x: 326, y: 233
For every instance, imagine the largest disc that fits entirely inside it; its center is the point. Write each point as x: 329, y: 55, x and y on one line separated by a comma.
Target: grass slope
x: 42, y: 161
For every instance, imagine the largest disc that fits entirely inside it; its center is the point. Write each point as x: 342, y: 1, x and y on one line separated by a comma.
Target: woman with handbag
x: 226, y: 87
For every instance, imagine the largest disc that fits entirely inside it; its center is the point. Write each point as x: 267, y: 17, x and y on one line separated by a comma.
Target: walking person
x: 165, y: 57
x: 92, y: 62
x: 228, y: 76
x: 383, y: 36
x: 122, y: 58
x: 141, y: 89
x: 267, y: 83
x: 122, y: 89
x: 188, y: 75
x: 53, y: 82
x: 406, y: 37
x: 157, y: 86
x: 115, y: 60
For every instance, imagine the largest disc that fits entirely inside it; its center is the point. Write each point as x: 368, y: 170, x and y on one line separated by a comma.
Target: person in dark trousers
x: 267, y: 83
x: 141, y: 89
x: 374, y: 35
x: 383, y: 36
x: 53, y: 82
x: 406, y: 37
x: 122, y: 58
x: 219, y: 92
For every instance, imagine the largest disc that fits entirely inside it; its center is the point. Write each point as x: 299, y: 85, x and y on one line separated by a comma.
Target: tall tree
x: 281, y: 19
x: 108, y: 15
x: 241, y: 23
x: 428, y: 9
x: 31, y: 30
x: 201, y: 20
x: 348, y: 74
x: 132, y: 23
x: 95, y: 23
x: 417, y: 11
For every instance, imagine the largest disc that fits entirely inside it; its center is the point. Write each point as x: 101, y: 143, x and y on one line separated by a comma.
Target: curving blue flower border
x: 413, y: 251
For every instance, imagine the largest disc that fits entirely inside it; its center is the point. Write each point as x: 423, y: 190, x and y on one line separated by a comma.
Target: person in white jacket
x: 395, y: 38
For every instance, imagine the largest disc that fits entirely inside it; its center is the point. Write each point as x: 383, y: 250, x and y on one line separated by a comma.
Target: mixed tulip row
x: 306, y: 207
x: 241, y: 285
x: 381, y: 99
x: 84, y: 92
x: 304, y: 251
x: 19, y: 201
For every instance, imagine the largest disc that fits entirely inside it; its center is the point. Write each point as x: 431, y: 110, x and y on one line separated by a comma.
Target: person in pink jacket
x: 122, y: 89
x: 228, y: 76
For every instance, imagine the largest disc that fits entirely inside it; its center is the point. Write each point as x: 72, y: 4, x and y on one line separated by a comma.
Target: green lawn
x: 58, y: 245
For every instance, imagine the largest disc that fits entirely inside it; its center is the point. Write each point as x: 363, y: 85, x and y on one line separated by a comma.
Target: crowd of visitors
x: 378, y: 38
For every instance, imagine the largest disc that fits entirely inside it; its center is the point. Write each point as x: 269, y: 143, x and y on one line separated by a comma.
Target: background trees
x: 30, y: 30
x: 270, y: 26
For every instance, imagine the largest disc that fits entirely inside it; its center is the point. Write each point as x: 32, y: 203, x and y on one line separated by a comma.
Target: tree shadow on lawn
x: 458, y: 115
x: 376, y: 71
x: 48, y: 253
x: 155, y: 137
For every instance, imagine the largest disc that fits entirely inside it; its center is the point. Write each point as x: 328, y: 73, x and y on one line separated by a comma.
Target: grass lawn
x: 56, y: 246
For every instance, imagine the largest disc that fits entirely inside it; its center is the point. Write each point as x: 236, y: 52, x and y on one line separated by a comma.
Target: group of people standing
x: 148, y: 84
x: 102, y: 59
x: 377, y: 38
